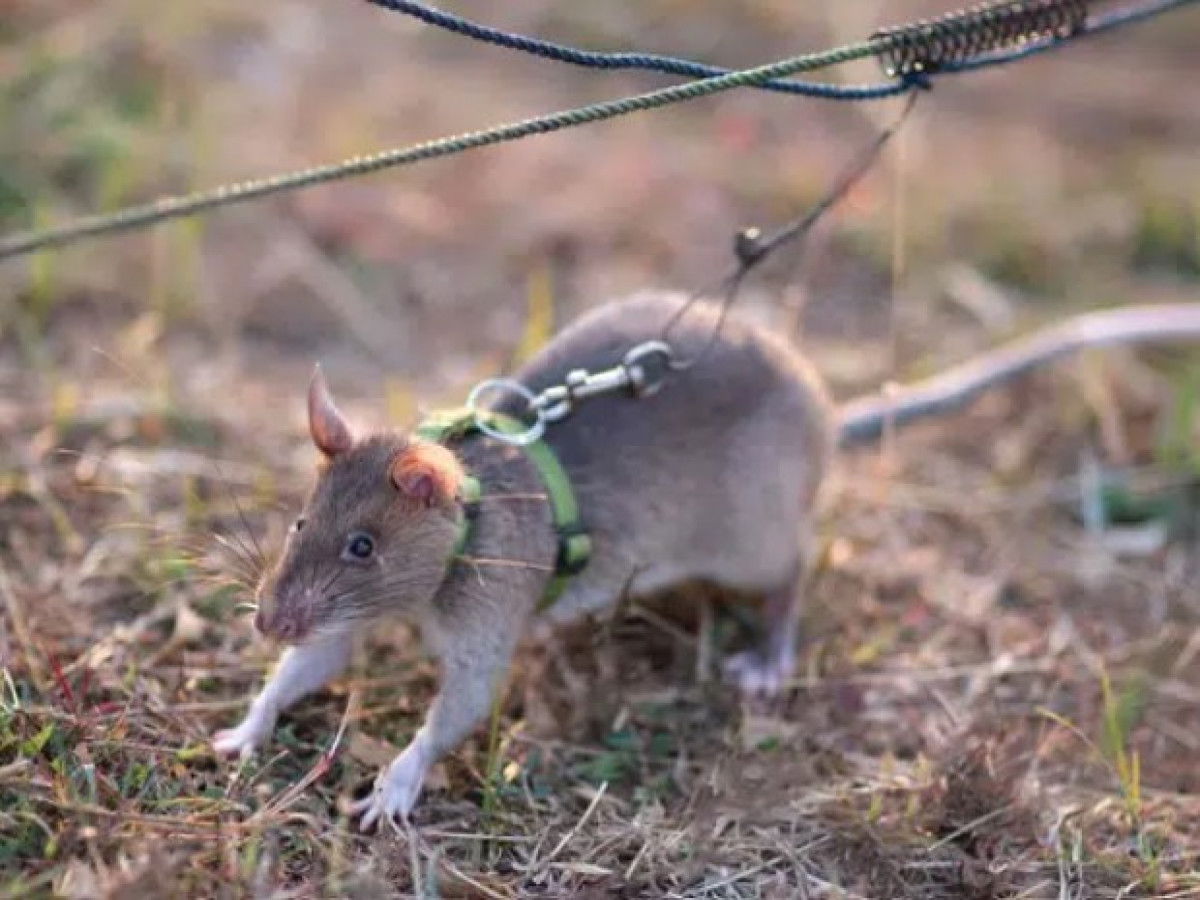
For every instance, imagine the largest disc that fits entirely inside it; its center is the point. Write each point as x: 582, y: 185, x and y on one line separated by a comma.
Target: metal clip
x: 646, y: 377
x: 558, y: 402
x: 641, y: 372
x: 520, y: 438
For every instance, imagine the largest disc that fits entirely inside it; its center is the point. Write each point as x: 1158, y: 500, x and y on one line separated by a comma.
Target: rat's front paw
x: 246, y: 737
x: 397, y: 787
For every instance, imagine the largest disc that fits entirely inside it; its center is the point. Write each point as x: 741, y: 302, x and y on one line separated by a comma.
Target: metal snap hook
x: 531, y: 434
x: 645, y: 375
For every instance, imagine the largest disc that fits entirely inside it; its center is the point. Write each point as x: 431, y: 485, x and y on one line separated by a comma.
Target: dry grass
x: 997, y: 699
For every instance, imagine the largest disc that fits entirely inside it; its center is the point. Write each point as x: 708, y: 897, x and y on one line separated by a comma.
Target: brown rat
x: 713, y: 478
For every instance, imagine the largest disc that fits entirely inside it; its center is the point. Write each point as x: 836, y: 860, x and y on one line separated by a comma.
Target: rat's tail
x: 865, y: 418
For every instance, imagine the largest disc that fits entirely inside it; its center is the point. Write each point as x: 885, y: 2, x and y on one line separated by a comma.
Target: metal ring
x: 533, y: 433
x: 648, y: 348
x: 645, y: 383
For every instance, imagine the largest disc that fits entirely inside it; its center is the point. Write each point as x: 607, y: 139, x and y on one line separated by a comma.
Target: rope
x: 881, y: 43
x: 176, y: 207
x: 190, y: 204
x: 591, y: 59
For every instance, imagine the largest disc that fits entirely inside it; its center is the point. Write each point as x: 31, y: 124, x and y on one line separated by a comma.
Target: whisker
x: 512, y: 563
x: 246, y: 571
x: 359, y: 603
x: 329, y: 583
x: 232, y: 541
x: 241, y: 554
x: 262, y: 557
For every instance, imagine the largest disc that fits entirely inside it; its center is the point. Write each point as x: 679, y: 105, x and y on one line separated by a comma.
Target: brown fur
x: 313, y: 589
x: 429, y: 473
x: 712, y: 479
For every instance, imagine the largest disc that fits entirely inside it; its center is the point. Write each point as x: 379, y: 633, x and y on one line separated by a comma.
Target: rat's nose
x: 285, y: 628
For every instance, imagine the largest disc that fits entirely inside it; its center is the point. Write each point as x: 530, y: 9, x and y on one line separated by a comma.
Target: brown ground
x: 995, y: 701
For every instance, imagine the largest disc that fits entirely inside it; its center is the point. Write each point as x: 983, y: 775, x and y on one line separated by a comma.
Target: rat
x: 714, y: 478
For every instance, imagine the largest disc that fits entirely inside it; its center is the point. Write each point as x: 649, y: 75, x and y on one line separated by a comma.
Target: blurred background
x: 148, y: 378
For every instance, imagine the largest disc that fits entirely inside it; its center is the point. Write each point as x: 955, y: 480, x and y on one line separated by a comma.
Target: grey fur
x: 712, y: 478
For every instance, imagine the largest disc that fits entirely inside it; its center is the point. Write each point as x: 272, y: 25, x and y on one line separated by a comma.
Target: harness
x: 574, y: 544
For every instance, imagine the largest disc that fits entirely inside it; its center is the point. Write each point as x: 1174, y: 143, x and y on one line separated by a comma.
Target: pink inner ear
x: 417, y: 485
x: 427, y: 473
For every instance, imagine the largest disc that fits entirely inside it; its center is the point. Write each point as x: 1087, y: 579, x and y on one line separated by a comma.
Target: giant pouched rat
x: 712, y: 479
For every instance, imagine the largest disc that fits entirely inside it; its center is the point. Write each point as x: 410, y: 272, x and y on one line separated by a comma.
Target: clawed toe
x: 231, y: 742
x: 757, y: 676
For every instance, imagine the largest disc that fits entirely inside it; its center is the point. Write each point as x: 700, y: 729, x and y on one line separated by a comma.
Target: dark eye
x: 298, y: 524
x: 359, y: 547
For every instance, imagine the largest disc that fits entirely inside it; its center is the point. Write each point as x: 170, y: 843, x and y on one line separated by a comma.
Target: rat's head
x: 375, y: 534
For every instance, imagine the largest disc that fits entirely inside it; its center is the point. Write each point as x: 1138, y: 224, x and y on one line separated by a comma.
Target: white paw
x: 397, y: 787
x: 757, y: 675
x: 246, y: 737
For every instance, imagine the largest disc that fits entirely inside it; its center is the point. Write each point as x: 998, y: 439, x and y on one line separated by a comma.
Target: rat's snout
x: 284, y: 619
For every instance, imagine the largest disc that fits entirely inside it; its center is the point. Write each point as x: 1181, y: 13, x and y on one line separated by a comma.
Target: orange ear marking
x: 427, y: 473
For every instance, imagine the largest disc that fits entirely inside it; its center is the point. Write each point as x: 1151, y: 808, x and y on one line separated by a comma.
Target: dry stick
x: 20, y: 627
x: 209, y: 828
x: 738, y: 876
x: 569, y: 836
x: 478, y: 836
x: 414, y: 858
x: 666, y: 626
x: 970, y: 826
x: 458, y: 873
x: 290, y: 795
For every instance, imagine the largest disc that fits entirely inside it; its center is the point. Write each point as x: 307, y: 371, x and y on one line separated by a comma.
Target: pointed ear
x: 427, y: 474
x: 329, y: 430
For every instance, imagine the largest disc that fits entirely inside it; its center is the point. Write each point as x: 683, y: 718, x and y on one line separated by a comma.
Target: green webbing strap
x: 574, y: 545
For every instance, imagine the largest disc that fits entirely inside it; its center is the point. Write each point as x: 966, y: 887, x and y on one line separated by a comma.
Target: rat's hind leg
x: 762, y: 671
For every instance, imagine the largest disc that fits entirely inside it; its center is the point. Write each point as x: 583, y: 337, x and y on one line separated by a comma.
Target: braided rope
x: 176, y: 207
x: 653, y: 62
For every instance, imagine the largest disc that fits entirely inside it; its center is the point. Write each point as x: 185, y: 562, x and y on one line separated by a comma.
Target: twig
x: 567, y: 838
x: 318, y: 771
x: 20, y: 627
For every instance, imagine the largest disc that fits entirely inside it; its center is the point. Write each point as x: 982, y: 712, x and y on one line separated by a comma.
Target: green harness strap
x: 574, y: 544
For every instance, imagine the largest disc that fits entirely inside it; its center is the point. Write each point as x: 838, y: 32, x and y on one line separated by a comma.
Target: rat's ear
x: 329, y: 430
x: 427, y: 473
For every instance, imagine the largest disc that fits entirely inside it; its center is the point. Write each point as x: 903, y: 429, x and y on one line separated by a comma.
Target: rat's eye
x: 298, y: 524
x: 359, y: 547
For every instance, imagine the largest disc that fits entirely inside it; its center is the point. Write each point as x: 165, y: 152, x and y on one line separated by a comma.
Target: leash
x: 640, y: 374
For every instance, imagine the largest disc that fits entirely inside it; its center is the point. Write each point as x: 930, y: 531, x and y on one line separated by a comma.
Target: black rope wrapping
x: 955, y: 38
